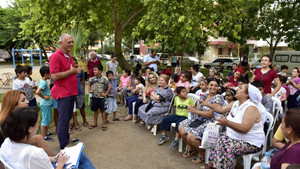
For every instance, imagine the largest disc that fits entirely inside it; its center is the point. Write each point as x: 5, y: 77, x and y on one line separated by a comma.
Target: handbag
x: 150, y: 105
x: 196, y: 123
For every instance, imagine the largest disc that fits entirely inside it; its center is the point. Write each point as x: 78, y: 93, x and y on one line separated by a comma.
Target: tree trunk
x: 102, y: 47
x: 118, y: 48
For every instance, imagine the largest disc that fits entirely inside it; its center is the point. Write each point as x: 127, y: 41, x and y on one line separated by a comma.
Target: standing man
x: 64, y: 75
x: 92, y: 62
x: 152, y: 60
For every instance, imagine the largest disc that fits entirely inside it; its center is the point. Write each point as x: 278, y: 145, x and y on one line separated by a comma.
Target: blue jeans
x: 129, y: 102
x: 85, y: 162
x: 167, y: 121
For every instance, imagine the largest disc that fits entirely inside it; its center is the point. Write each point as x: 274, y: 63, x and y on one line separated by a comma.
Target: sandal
x: 198, y: 160
x: 188, y: 153
x: 78, y: 128
x: 134, y: 121
x: 104, y: 128
x: 116, y: 119
x: 86, y: 124
x: 107, y: 122
x: 92, y: 126
x: 127, y: 118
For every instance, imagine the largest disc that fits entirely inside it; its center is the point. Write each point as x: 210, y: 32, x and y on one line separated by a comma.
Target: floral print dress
x: 198, y: 131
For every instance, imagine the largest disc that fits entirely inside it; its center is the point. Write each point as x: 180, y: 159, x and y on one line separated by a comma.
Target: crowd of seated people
x: 243, y: 103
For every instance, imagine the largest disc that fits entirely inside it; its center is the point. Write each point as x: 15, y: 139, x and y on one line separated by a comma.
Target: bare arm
x: 252, y: 78
x: 294, y: 84
x: 39, y: 93
x: 107, y: 91
x: 277, y: 143
x: 209, y: 113
x: 217, y: 107
x: 278, y: 86
x: 136, y: 90
x: 145, y: 95
x: 251, y: 116
x: 155, y: 97
x: 63, y: 75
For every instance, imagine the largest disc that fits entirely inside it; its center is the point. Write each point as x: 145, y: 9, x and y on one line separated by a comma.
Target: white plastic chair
x: 248, y: 157
x: 194, y: 97
x: 277, y: 109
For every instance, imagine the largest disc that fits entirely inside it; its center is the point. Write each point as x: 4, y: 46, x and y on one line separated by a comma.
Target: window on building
x: 229, y: 51
x: 220, y: 51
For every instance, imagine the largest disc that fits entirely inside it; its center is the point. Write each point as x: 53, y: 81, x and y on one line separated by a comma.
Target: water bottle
x: 217, y: 115
x: 265, y: 161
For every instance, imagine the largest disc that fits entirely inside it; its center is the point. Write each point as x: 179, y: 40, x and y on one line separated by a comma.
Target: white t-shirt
x: 195, y: 79
x: 141, y: 89
x: 25, y: 156
x: 148, y: 58
x: 200, y: 93
x: 280, y: 93
x: 24, y: 86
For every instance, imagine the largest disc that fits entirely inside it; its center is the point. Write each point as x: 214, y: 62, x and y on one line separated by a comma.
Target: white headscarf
x: 256, y: 97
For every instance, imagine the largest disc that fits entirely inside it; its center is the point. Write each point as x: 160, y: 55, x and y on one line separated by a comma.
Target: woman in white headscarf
x: 244, y: 131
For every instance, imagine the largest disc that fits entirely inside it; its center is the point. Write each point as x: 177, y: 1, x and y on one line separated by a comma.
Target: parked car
x: 288, y: 58
x: 164, y: 58
x: 227, y: 63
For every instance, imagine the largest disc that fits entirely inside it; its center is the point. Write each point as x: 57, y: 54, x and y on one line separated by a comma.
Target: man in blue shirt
x: 152, y: 60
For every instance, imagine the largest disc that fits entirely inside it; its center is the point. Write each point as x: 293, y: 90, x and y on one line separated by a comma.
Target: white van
x: 288, y: 58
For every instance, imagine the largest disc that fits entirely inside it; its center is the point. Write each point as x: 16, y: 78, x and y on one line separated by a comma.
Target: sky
x: 5, y: 3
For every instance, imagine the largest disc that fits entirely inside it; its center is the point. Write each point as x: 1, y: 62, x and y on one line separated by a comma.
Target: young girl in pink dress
x: 185, y: 80
x: 124, y: 82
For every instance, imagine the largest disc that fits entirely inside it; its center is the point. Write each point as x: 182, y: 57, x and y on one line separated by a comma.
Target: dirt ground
x: 127, y: 145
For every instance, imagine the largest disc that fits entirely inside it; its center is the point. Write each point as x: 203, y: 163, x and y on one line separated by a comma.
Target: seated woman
x: 151, y: 85
x: 289, y: 154
x: 244, y: 132
x: 192, y: 130
x: 13, y: 99
x: 158, y: 106
x: 20, y: 126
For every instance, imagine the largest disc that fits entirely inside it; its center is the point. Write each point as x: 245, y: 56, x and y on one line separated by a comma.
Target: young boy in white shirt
x: 22, y: 83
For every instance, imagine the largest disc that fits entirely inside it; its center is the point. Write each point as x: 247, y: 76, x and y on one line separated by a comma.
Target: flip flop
x: 104, y: 128
x: 107, y: 122
x: 92, y: 126
x: 116, y: 119
x: 78, y: 128
x: 198, y: 160
x: 188, y: 153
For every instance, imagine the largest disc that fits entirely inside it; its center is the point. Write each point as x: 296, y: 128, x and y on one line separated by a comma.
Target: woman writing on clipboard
x: 267, y: 75
x: 15, y: 151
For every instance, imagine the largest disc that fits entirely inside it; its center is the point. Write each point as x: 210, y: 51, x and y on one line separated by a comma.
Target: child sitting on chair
x: 181, y: 103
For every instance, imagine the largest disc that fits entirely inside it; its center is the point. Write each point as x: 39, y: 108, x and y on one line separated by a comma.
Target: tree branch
x: 132, y: 15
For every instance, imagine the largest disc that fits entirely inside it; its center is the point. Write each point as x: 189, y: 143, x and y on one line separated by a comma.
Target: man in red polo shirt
x: 64, y: 75
x: 92, y: 62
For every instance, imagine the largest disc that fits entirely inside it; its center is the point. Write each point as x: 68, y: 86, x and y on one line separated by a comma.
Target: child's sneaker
x: 50, y: 134
x: 49, y: 139
x: 174, y: 144
x: 162, y: 139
